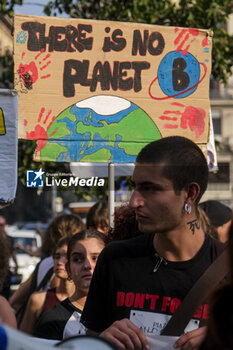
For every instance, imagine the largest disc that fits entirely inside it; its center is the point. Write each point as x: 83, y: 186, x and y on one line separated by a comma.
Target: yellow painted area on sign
x: 2, y: 123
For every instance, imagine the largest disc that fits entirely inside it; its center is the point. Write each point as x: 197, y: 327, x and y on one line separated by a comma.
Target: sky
x: 33, y: 7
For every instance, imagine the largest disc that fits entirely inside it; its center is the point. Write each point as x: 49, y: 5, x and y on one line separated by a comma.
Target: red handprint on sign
x: 192, y: 118
x: 185, y: 38
x: 29, y: 73
x: 40, y: 131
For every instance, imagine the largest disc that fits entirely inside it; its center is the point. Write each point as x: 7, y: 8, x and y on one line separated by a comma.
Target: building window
x: 217, y: 125
x: 214, y: 88
x: 221, y: 179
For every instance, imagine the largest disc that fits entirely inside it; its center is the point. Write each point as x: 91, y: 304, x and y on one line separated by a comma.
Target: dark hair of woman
x: 61, y: 225
x: 62, y: 241
x: 206, y: 224
x: 125, y: 225
x: 97, y: 216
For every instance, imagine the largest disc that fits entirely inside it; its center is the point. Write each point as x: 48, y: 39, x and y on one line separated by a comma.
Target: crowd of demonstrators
x: 40, y: 302
x: 63, y: 320
x: 97, y: 217
x: 220, y: 313
x: 7, y: 282
x: 42, y: 278
x: 6, y: 313
x: 220, y: 217
x: 140, y: 282
x: 61, y: 226
x: 159, y: 247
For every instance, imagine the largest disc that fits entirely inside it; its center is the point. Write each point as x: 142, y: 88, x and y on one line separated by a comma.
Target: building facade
x: 6, y: 40
x: 221, y: 99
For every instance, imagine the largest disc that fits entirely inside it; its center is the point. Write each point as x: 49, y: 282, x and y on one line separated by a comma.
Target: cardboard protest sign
x: 8, y: 146
x: 99, y: 91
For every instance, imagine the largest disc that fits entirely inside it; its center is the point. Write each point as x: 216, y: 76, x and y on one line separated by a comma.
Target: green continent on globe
x: 52, y: 150
x: 59, y: 127
x: 80, y: 137
x: 135, y: 130
x: 98, y: 156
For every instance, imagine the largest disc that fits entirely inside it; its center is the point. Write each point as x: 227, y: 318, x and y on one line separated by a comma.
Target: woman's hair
x: 4, y: 258
x: 62, y: 241
x: 97, y: 216
x: 85, y: 234
x: 206, y: 224
x: 125, y: 225
x: 61, y: 225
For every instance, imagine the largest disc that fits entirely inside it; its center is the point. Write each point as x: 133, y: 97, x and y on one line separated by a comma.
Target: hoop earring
x: 187, y: 208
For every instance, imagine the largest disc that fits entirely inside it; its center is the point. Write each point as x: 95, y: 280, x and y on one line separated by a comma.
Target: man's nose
x: 136, y: 200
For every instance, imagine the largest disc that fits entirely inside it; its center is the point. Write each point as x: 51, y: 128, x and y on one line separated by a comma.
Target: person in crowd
x: 220, y: 313
x: 220, y: 217
x: 206, y: 224
x: 125, y: 224
x: 40, y: 302
x: 6, y: 313
x: 139, y: 283
x: 6, y: 292
x: 63, y: 320
x: 97, y: 217
x: 62, y: 225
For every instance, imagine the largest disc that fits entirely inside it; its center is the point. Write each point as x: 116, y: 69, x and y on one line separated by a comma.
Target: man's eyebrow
x: 144, y: 183
x: 149, y: 184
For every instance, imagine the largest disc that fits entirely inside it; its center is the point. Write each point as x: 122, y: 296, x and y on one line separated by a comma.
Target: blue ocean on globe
x: 85, y: 135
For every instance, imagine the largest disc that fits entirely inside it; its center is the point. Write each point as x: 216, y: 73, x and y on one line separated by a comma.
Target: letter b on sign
x: 177, y: 74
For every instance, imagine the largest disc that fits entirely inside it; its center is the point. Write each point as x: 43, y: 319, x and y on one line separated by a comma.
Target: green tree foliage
x: 6, y: 67
x: 203, y: 14
x: 7, y: 6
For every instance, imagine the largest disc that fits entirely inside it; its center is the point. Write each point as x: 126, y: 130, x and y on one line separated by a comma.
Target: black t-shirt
x: 61, y: 322
x: 126, y: 285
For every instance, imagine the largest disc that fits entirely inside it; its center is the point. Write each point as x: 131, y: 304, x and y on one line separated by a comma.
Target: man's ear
x: 193, y: 190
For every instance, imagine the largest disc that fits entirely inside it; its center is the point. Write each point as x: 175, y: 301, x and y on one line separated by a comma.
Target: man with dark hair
x: 139, y: 283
